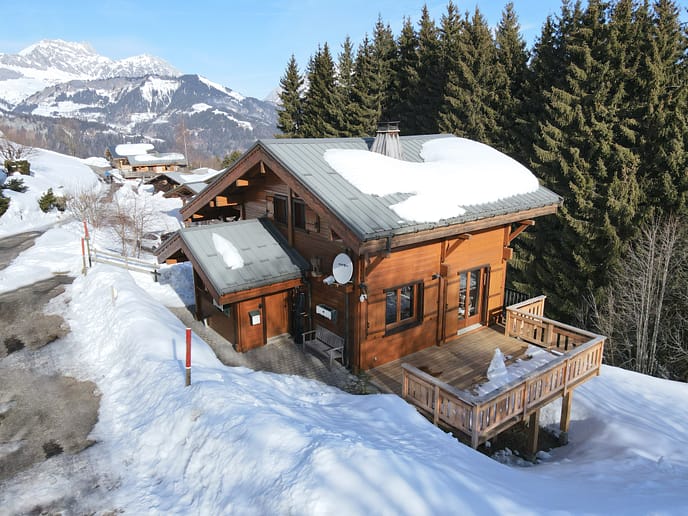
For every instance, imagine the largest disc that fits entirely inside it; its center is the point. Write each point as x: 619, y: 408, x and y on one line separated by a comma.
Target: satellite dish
x: 342, y: 268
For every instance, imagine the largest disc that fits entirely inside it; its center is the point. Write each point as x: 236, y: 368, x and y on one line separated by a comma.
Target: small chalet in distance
x: 135, y: 160
x: 391, y: 251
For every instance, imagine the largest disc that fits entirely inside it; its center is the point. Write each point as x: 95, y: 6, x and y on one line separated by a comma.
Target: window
x: 403, y: 307
x: 299, y: 213
x: 280, y: 209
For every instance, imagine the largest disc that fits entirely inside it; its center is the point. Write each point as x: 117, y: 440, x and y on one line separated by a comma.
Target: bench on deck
x: 324, y: 343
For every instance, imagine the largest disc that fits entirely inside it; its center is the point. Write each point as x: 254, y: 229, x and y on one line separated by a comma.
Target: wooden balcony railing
x: 481, y: 417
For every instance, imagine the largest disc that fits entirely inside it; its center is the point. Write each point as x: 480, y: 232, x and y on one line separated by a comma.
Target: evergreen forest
x: 597, y: 109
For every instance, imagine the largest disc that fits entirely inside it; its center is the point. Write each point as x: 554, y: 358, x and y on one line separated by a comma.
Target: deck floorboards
x: 461, y: 363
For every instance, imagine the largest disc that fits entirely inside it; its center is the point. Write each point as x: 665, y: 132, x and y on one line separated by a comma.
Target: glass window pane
x: 473, y: 293
x: 462, y: 295
x: 406, y: 299
x: 391, y: 307
x: 280, y: 209
x: 299, y: 214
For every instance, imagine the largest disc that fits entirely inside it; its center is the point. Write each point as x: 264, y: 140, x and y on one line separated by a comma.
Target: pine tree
x: 345, y: 81
x: 289, y: 113
x: 471, y: 94
x: 578, y: 156
x: 322, y: 116
x: 406, y: 80
x: 662, y: 115
x: 365, y: 94
x: 384, y: 55
x: 512, y: 58
x: 428, y: 97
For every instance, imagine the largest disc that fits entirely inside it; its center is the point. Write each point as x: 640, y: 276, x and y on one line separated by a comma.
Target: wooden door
x: 250, y: 335
x: 471, y: 296
x: 277, y: 314
x: 464, y: 300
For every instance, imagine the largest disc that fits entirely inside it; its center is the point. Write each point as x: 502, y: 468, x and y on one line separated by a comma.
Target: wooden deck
x: 461, y: 363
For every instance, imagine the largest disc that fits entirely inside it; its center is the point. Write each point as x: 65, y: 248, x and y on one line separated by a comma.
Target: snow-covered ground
x: 239, y: 441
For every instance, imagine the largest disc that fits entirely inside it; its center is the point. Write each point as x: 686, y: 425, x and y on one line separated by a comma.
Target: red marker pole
x: 188, y: 357
x: 88, y: 244
x: 83, y: 257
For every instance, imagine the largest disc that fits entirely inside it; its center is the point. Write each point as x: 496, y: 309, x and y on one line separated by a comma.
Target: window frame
x: 416, y: 316
x: 298, y: 206
x: 275, y: 211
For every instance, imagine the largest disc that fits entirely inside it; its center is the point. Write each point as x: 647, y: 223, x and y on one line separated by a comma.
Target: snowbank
x: 64, y: 174
x: 239, y: 441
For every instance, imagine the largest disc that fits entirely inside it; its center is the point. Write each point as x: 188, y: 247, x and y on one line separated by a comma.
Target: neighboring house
x: 183, y: 184
x: 186, y: 191
x: 407, y: 239
x: 138, y: 160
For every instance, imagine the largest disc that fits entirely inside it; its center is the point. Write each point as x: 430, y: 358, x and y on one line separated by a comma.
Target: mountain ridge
x: 140, y: 97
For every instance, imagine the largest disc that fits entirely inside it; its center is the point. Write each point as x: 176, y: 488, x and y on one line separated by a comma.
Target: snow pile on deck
x: 499, y: 374
x: 457, y: 172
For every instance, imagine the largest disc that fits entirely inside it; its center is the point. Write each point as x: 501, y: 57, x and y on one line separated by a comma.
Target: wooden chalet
x: 138, y: 160
x: 411, y: 288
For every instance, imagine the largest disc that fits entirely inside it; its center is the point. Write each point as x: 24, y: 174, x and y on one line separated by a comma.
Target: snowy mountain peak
x: 48, y: 46
x: 50, y: 62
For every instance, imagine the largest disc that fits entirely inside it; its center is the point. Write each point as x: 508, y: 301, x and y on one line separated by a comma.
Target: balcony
x: 444, y: 382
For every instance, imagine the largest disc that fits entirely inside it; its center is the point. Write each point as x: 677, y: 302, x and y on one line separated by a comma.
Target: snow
x: 236, y: 95
x: 96, y: 162
x: 499, y: 374
x: 239, y: 441
x: 167, y: 157
x: 497, y: 370
x: 163, y: 88
x: 456, y: 172
x: 133, y: 149
x: 230, y: 254
x: 199, y: 107
x: 64, y: 174
x: 241, y: 123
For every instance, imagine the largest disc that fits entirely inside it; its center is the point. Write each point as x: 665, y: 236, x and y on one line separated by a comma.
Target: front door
x: 464, y: 300
x: 277, y: 314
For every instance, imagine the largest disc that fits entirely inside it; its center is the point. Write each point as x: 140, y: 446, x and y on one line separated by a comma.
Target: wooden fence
x: 481, y: 417
x: 126, y: 262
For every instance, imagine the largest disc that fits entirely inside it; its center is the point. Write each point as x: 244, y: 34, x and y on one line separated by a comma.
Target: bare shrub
x: 644, y: 310
x: 86, y: 204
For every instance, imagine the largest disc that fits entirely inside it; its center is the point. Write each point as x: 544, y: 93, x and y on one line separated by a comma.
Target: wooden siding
x: 437, y: 265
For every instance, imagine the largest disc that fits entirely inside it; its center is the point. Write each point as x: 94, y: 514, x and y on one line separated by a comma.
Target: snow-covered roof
x: 132, y: 149
x: 157, y: 159
x: 241, y: 255
x: 442, y: 180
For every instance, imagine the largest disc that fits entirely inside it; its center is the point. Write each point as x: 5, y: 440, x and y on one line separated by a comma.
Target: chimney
x: 387, y: 140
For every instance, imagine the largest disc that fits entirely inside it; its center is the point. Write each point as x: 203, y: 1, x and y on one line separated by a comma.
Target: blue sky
x: 243, y: 44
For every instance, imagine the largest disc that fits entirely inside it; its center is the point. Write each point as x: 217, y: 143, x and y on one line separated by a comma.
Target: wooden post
x: 475, y: 429
x: 404, y: 384
x: 533, y: 434
x: 436, y: 409
x: 565, y: 420
x: 188, y: 357
x: 83, y: 257
x: 88, y: 244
